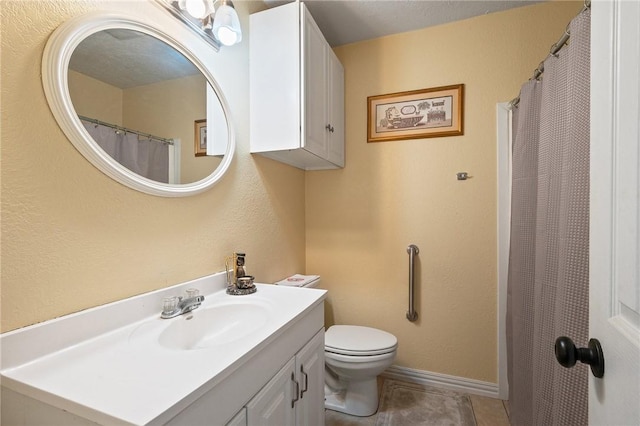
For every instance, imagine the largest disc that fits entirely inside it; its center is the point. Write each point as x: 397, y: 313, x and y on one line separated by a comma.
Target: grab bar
x: 412, y: 315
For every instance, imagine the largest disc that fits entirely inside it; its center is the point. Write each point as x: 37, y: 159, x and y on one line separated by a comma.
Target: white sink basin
x: 215, y: 325
x: 211, y: 325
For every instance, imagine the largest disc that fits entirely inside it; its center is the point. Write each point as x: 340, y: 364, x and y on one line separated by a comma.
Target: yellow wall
x: 361, y: 219
x: 72, y: 238
x: 95, y: 99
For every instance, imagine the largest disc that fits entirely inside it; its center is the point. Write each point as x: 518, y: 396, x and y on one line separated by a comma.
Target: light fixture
x: 222, y: 22
x: 199, y: 9
x: 226, y: 25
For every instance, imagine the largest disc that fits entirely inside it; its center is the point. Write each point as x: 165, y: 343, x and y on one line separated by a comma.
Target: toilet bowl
x: 354, y: 357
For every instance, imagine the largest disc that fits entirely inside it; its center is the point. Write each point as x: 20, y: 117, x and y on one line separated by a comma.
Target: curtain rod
x: 126, y: 130
x: 555, y: 48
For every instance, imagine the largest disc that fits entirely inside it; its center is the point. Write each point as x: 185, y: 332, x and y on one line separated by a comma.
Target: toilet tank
x: 299, y: 280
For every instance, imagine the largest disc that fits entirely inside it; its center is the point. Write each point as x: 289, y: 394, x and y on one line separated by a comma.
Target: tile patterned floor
x: 487, y: 412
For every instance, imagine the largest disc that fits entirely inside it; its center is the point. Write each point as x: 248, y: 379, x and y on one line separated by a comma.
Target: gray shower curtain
x: 548, y: 284
x: 147, y: 157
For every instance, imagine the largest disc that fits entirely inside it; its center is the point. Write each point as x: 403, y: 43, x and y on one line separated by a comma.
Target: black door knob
x: 567, y: 354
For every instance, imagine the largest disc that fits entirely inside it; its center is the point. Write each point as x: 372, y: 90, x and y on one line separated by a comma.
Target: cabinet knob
x: 329, y: 127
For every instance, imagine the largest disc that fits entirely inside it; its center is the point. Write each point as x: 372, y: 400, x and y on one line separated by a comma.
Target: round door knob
x: 567, y: 355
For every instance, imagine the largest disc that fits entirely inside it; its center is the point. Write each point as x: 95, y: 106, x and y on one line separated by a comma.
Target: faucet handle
x: 192, y: 292
x: 170, y: 304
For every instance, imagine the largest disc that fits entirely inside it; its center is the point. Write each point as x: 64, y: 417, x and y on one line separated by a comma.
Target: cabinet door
x: 239, y: 419
x: 336, y: 109
x: 275, y: 80
x: 310, y: 370
x: 274, y: 404
x: 315, y: 87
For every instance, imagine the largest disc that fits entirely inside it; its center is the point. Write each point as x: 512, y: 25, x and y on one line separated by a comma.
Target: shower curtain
x: 141, y: 155
x: 548, y: 283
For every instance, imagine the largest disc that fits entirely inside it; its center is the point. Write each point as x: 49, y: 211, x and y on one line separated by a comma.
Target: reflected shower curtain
x: 141, y: 155
x: 548, y: 290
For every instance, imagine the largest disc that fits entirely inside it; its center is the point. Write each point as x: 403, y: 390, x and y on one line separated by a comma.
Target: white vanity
x: 241, y: 360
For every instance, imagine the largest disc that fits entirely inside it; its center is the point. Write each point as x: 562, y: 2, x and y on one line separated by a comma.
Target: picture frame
x: 424, y: 113
x: 200, y: 138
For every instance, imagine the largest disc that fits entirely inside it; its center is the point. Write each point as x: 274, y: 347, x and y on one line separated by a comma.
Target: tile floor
x: 487, y: 412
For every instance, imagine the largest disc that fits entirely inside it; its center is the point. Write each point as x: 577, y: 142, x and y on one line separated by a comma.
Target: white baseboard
x: 459, y: 384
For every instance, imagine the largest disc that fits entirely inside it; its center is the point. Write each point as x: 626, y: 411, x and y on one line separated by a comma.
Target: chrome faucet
x: 177, y: 305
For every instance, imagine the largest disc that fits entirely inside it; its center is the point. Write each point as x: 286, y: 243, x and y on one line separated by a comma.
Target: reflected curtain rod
x: 126, y: 130
x: 555, y: 48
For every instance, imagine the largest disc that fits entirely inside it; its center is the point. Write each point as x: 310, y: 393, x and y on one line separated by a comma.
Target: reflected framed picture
x: 424, y: 113
x: 200, y: 138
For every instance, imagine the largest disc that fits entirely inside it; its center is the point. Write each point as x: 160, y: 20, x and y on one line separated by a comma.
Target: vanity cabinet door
x: 310, y: 370
x: 274, y: 405
x: 239, y: 419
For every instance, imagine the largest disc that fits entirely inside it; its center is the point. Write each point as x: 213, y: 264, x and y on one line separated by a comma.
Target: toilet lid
x: 358, y: 340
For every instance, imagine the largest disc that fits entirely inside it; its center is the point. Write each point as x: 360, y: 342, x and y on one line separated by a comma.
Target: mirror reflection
x: 147, y: 106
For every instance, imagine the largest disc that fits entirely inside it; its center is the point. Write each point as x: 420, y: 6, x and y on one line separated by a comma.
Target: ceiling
x: 125, y: 58
x: 135, y: 59
x: 350, y: 21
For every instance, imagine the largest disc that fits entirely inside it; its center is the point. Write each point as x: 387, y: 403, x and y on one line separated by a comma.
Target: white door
x: 614, y: 298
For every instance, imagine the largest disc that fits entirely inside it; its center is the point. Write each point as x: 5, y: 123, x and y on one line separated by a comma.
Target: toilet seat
x: 352, y: 360
x: 354, y: 340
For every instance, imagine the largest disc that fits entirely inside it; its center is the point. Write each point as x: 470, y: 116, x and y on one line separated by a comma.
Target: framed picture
x: 425, y: 113
x: 200, y: 138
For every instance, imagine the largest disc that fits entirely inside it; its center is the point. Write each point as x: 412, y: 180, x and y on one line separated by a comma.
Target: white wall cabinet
x: 295, y: 395
x: 297, y: 90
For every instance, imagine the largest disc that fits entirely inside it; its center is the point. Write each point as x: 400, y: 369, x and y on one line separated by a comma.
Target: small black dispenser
x: 238, y: 282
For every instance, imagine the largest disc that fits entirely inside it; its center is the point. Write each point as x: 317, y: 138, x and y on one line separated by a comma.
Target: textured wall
x: 72, y: 238
x: 360, y: 220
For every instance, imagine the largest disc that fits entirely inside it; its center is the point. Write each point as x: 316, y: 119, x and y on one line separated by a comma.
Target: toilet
x: 354, y: 357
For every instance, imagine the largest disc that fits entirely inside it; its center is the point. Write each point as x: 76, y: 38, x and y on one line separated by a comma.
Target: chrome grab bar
x: 412, y: 315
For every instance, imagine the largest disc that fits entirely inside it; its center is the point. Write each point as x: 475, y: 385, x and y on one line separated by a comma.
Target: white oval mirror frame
x: 55, y: 64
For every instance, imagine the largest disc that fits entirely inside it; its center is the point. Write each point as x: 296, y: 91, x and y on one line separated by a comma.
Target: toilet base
x: 359, y: 398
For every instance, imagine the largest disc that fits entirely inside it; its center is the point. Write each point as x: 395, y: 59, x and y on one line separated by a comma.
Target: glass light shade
x: 197, y: 8
x: 226, y: 26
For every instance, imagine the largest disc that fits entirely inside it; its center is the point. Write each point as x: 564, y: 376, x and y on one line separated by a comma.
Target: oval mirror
x: 138, y: 104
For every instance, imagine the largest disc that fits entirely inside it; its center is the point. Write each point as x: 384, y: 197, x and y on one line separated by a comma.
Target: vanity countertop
x: 106, y: 365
